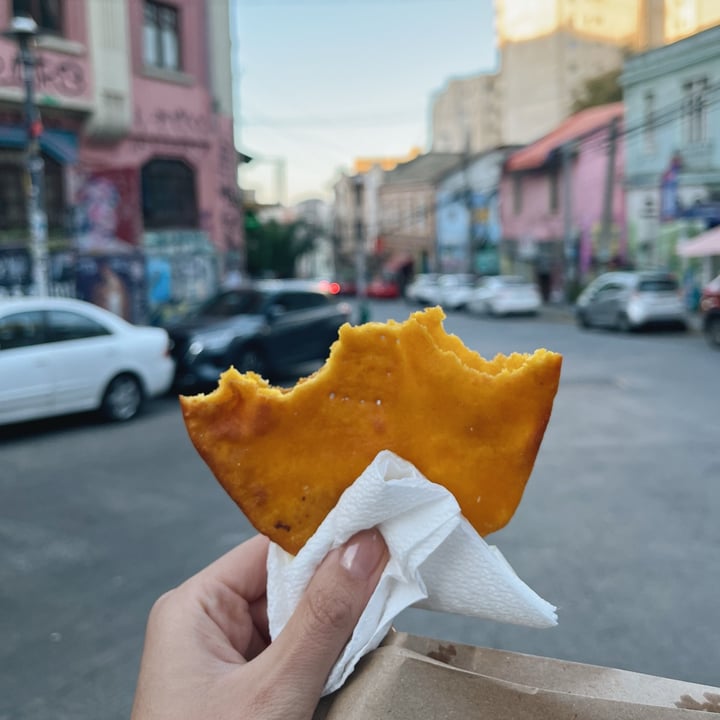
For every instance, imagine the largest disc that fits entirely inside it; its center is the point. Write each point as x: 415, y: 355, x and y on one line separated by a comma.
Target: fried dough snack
x: 469, y: 424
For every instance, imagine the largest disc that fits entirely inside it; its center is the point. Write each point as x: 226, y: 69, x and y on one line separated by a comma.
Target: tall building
x: 686, y: 17
x: 467, y: 114
x: 548, y: 49
x: 138, y: 143
x: 617, y: 21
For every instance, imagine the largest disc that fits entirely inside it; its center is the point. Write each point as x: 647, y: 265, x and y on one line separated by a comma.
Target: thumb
x: 325, y: 617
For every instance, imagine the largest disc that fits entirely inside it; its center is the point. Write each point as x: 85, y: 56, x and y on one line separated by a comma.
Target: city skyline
x: 323, y: 82
x: 334, y: 81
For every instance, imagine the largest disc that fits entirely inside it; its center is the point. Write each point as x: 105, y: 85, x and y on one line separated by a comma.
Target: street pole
x: 360, y: 256
x: 568, y: 235
x: 607, y: 211
x: 469, y: 206
x: 23, y: 30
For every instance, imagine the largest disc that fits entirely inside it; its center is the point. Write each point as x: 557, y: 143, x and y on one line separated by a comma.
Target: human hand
x: 207, y: 651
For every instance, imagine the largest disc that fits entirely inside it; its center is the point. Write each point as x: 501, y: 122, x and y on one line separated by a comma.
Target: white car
x: 423, y: 289
x: 61, y: 356
x: 455, y: 290
x: 505, y: 295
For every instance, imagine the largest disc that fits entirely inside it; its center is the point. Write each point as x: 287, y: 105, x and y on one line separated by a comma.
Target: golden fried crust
x: 470, y: 424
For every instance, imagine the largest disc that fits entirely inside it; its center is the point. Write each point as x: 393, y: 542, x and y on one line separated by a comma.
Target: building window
x: 649, y: 122
x: 517, y: 193
x: 168, y: 195
x: 161, y: 36
x: 46, y: 13
x: 695, y: 111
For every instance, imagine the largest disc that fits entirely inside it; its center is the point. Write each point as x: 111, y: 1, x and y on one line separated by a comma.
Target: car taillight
x: 333, y: 288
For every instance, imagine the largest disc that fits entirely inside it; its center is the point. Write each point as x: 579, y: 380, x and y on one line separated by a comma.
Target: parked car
x: 505, y: 295
x: 626, y: 301
x: 423, y: 289
x: 270, y: 327
x: 710, y: 309
x: 454, y: 290
x: 60, y: 356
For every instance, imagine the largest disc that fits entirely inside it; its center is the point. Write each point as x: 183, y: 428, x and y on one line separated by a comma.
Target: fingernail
x: 362, y: 554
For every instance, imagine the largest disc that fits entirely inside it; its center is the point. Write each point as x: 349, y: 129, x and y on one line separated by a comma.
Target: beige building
x: 467, y: 113
x: 547, y: 50
x: 407, y: 208
x: 542, y: 77
x: 356, y: 211
x: 686, y: 17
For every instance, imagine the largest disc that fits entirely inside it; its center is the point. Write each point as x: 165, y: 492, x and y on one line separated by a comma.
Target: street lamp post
x: 23, y: 30
x: 360, y: 254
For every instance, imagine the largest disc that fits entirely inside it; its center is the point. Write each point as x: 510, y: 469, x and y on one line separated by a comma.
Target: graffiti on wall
x: 108, y: 210
x: 182, y: 269
x: 16, y: 272
x: 114, y: 282
x: 60, y: 76
x: 177, y: 122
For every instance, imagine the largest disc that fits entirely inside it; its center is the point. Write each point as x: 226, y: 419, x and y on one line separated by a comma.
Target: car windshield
x: 236, y: 302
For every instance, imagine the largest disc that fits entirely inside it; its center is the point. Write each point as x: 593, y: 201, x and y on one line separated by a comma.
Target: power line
x: 670, y: 113
x: 380, y: 120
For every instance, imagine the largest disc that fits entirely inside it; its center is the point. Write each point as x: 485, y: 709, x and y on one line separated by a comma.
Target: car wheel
x: 251, y: 359
x: 623, y: 323
x: 123, y: 398
x: 712, y: 331
x: 582, y: 320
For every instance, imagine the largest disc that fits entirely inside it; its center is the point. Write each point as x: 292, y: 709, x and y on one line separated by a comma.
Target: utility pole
x: 568, y: 234
x: 607, y: 211
x: 23, y: 30
x: 360, y: 257
x: 467, y: 191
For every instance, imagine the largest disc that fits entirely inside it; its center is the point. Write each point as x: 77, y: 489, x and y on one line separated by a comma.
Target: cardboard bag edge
x: 415, y: 677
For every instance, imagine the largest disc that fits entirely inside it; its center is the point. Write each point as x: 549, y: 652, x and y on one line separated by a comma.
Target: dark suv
x: 270, y: 327
x: 710, y: 308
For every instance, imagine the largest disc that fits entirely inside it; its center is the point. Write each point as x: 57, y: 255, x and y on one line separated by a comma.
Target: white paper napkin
x: 437, y: 561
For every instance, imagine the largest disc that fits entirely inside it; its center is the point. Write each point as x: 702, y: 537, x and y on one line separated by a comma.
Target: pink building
x: 136, y: 103
x: 540, y: 238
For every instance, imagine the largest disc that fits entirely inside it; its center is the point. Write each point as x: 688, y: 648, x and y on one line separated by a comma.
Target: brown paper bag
x: 417, y: 678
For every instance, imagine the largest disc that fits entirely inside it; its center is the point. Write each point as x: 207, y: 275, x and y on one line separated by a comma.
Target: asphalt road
x: 619, y: 526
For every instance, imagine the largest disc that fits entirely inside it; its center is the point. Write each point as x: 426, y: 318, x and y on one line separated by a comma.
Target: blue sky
x: 320, y: 82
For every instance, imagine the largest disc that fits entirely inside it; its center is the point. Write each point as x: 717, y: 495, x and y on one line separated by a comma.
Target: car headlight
x: 210, y: 342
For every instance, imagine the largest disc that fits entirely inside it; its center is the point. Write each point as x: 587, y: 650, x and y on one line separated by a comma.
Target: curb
x: 566, y: 314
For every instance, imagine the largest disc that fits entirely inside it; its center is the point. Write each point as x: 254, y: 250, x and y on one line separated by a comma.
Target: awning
x: 60, y: 145
x: 701, y: 246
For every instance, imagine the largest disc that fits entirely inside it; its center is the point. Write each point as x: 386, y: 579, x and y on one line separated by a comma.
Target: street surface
x: 619, y: 526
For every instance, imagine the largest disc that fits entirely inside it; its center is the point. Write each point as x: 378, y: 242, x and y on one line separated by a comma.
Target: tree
x: 599, y: 90
x: 273, y: 248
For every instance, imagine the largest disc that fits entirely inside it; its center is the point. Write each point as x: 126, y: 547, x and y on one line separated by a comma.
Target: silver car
x: 424, y: 289
x: 627, y: 301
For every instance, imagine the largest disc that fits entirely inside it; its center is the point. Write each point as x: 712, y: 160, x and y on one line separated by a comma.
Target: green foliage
x: 599, y: 90
x: 273, y: 248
